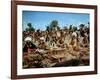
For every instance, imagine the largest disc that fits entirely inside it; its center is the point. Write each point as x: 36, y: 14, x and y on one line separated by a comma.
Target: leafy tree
x: 74, y: 28
x: 81, y: 25
x: 26, y: 29
x: 29, y: 24
x: 30, y: 28
x: 47, y: 28
x: 54, y: 24
x: 70, y: 27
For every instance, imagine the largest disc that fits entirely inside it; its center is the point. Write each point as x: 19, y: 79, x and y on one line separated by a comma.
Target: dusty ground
x: 57, y: 58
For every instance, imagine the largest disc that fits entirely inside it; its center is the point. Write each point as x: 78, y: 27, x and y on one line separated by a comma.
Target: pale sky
x: 40, y: 19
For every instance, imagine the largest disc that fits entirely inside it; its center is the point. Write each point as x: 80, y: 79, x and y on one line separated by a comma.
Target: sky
x: 41, y: 19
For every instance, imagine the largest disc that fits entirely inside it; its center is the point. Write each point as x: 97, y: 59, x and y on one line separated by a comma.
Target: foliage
x: 81, y: 25
x: 30, y: 28
x: 74, y: 28
x: 53, y: 25
x: 70, y: 27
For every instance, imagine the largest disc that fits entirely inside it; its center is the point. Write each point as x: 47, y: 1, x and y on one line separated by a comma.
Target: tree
x: 74, y: 28
x: 70, y: 27
x: 29, y: 24
x: 26, y: 29
x: 30, y: 28
x: 47, y: 28
x: 54, y: 25
x: 81, y: 25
